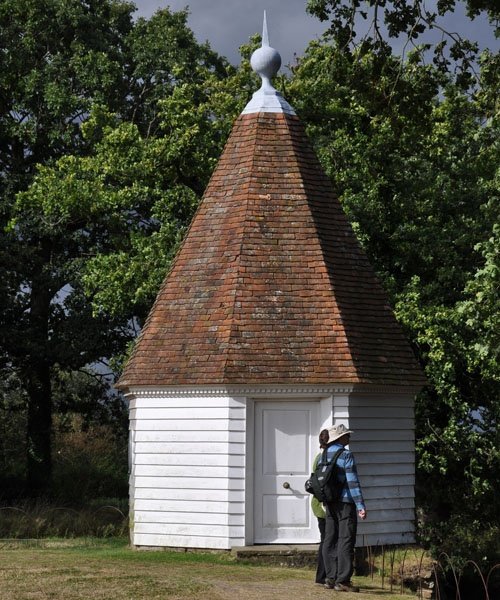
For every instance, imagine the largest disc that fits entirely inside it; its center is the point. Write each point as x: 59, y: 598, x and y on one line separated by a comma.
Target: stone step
x: 283, y: 555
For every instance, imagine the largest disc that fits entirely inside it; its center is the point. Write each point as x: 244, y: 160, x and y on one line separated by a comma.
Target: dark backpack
x: 323, y: 483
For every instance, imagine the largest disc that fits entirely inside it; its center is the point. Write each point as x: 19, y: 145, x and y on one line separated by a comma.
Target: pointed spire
x: 266, y: 62
x: 265, y: 36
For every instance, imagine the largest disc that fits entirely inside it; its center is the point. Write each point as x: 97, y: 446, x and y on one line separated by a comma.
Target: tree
x: 83, y: 84
x: 385, y: 21
x: 415, y: 163
x: 57, y: 59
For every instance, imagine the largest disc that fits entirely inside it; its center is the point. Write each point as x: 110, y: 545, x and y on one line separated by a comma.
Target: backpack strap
x: 335, y: 457
x: 337, y: 454
x: 324, y: 457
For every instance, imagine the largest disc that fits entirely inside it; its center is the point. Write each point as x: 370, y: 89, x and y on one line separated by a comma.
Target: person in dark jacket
x: 342, y: 515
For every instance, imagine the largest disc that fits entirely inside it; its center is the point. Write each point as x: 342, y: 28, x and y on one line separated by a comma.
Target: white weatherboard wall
x: 187, y: 481
x: 383, y: 444
x: 192, y: 471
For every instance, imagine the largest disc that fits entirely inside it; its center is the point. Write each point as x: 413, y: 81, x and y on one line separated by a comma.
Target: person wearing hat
x: 342, y: 515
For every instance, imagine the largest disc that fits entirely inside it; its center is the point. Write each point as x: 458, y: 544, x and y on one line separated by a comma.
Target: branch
x: 376, y: 28
x: 99, y: 377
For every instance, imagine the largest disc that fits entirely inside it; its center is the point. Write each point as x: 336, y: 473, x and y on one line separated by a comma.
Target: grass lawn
x: 97, y: 569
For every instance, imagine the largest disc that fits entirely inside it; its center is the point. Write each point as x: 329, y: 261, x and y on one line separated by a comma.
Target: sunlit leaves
x: 415, y: 163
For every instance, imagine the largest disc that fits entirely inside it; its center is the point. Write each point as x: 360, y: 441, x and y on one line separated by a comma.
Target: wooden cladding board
x: 188, y: 472
x: 384, y: 446
x: 189, y: 480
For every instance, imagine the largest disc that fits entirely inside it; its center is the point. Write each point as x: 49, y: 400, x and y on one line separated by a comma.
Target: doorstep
x: 289, y: 555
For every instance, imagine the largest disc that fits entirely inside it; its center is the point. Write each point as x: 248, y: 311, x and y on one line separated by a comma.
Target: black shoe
x: 345, y: 587
x: 329, y: 584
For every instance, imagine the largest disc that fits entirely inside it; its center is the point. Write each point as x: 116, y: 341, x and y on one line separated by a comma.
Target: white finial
x: 266, y: 61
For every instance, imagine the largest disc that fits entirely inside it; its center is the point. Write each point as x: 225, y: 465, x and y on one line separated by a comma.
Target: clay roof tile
x: 270, y: 284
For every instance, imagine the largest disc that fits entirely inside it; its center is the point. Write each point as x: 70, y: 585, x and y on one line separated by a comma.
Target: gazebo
x: 270, y: 325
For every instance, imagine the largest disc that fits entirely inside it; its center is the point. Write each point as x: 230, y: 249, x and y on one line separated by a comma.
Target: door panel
x: 285, y: 446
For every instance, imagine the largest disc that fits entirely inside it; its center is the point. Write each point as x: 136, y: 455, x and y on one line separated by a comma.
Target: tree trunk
x: 39, y: 430
x: 37, y: 379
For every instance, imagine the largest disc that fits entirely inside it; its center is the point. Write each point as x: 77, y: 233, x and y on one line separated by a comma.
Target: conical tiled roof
x: 270, y: 284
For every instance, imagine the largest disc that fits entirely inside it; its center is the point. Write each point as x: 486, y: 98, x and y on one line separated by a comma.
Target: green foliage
x: 57, y: 58
x: 127, y: 204
x: 480, y: 312
x: 89, y: 435
x: 415, y: 164
x: 109, y: 140
x: 411, y: 21
x: 90, y: 460
x: 109, y: 132
x: 12, y: 438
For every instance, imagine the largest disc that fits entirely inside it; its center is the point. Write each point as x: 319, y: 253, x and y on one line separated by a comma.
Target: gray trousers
x: 340, y: 537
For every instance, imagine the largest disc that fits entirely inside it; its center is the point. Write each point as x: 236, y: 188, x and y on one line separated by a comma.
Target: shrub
x: 89, y: 462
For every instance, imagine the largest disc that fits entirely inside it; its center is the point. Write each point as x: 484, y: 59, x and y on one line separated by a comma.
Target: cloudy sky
x: 227, y: 24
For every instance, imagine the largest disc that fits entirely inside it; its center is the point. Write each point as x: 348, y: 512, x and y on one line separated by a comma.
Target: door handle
x: 286, y: 485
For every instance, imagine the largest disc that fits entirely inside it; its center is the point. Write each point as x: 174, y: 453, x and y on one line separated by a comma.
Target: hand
x: 362, y: 514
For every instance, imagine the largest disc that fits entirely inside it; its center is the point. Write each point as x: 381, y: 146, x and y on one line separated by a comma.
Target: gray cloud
x: 227, y: 24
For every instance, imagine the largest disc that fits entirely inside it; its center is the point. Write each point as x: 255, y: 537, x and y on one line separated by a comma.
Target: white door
x: 286, y: 442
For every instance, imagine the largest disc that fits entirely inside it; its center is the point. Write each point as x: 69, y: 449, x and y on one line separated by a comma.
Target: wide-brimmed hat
x: 337, y: 431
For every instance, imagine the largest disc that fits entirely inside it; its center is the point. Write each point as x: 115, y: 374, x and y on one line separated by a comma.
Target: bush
x: 464, y: 540
x: 89, y: 462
